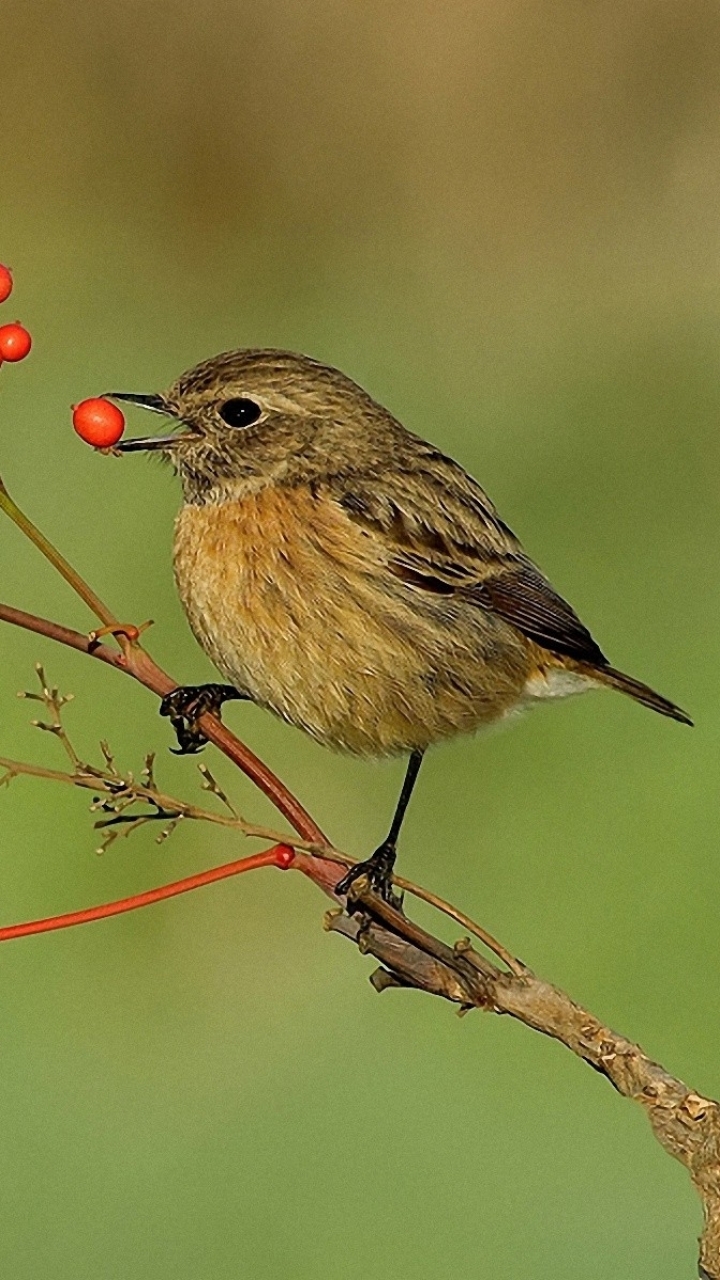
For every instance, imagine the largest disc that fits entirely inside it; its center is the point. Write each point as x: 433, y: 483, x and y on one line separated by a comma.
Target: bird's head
x: 253, y: 417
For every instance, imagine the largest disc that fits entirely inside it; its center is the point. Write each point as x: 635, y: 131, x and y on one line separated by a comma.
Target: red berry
x: 284, y: 857
x: 98, y: 422
x: 6, y: 282
x: 15, y: 342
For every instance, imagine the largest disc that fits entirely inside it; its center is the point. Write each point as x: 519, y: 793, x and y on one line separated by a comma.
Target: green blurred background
x: 501, y: 218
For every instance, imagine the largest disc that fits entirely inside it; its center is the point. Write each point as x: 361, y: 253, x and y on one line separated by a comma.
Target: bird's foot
x: 377, y: 870
x: 185, y: 705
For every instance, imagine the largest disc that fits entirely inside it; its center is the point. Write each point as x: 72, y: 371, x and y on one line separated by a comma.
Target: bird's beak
x: 156, y: 404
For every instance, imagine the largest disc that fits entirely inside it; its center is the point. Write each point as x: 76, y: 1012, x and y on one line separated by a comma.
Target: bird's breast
x: 294, y: 604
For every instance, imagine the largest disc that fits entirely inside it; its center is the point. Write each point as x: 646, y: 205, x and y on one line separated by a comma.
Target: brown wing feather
x: 514, y: 590
x: 443, y: 535
x: 524, y: 598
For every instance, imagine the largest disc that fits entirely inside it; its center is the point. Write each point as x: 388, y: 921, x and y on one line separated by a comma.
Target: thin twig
x: 58, y: 561
x: 276, y: 857
x: 514, y: 965
x: 127, y: 791
x: 136, y: 662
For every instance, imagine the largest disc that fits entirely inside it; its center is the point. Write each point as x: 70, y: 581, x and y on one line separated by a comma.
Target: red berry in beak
x: 98, y: 422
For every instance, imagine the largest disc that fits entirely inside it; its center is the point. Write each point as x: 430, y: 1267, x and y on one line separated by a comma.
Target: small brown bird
x: 350, y: 577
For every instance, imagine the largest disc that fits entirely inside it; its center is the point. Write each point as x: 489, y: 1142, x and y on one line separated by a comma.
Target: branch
x: 686, y: 1123
x: 123, y: 792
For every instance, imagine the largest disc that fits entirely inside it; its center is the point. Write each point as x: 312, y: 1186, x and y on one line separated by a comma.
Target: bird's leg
x: 185, y: 705
x: 378, y: 869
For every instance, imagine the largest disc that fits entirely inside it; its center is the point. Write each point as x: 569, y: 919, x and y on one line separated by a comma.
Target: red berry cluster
x: 15, y: 341
x: 96, y: 421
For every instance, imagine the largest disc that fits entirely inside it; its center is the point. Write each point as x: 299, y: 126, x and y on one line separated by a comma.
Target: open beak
x: 156, y: 404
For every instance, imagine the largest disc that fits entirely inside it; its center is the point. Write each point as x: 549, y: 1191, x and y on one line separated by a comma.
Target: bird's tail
x: 640, y: 692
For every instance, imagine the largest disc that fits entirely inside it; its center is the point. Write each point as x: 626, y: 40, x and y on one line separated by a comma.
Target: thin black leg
x: 379, y: 867
x: 185, y: 705
x: 411, y: 773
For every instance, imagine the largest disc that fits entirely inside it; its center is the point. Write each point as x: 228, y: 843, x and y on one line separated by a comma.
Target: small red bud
x: 284, y: 857
x: 15, y: 342
x: 98, y: 422
x: 6, y: 282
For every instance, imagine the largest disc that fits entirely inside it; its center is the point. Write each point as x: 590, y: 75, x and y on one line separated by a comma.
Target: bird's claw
x: 184, y: 707
x: 377, y: 870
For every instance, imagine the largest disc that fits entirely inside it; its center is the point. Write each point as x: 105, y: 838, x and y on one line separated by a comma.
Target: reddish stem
x: 279, y: 856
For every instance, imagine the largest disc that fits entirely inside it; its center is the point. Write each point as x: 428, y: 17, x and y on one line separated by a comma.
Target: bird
x: 350, y: 577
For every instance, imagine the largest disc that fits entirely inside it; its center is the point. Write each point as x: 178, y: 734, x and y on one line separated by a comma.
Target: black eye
x: 240, y: 412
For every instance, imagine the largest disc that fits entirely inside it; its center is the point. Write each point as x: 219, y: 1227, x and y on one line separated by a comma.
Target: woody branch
x: 686, y: 1123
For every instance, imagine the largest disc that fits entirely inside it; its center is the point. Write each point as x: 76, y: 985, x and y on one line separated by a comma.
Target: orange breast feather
x: 293, y: 604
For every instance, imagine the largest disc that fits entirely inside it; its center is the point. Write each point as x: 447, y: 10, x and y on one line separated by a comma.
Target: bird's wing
x: 440, y: 534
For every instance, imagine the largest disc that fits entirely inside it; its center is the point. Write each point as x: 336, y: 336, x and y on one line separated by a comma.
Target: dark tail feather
x: 639, y: 691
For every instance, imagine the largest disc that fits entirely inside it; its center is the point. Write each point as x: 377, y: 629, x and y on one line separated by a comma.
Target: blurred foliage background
x: 501, y: 218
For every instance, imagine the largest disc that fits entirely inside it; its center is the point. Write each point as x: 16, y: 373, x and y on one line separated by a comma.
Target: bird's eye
x: 240, y: 412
